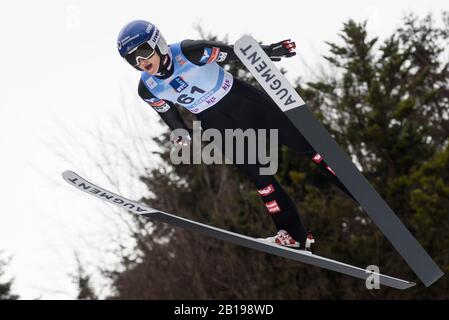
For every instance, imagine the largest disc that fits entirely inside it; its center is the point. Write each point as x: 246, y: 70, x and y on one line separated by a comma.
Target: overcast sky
x: 59, y: 68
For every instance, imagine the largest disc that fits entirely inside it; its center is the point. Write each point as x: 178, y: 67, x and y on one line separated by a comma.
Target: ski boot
x: 284, y: 239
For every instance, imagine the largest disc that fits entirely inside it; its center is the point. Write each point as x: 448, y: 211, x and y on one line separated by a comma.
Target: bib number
x: 187, y: 99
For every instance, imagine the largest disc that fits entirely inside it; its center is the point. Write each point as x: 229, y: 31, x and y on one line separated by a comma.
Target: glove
x: 285, y: 48
x: 183, y: 141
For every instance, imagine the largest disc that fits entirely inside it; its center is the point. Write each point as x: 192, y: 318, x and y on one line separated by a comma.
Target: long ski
x: 298, y: 255
x: 289, y: 101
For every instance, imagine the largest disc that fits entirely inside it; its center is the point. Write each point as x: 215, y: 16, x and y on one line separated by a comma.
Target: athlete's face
x: 150, y: 65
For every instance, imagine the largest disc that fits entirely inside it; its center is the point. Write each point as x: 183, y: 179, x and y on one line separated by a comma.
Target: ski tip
x: 397, y: 283
x: 68, y: 174
x: 432, y: 279
x: 408, y: 285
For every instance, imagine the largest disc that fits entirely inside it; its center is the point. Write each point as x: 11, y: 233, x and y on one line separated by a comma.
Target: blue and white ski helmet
x: 137, y: 32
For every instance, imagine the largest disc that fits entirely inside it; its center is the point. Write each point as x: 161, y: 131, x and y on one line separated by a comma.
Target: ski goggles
x: 143, y: 51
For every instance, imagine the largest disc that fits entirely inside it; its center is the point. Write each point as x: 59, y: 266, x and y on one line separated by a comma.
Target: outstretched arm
x: 202, y: 52
x: 281, y: 49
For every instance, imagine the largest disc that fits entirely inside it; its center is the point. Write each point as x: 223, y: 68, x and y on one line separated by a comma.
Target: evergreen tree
x: 83, y: 283
x: 5, y: 287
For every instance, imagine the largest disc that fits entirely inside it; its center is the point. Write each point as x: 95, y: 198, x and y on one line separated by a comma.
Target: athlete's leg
x: 261, y: 112
x: 302, y: 147
x: 279, y: 205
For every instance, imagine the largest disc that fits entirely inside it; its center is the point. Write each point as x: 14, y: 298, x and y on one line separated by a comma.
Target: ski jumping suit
x: 198, y: 83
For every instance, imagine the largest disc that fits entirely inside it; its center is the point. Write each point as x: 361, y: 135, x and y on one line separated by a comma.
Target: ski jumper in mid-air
x: 189, y: 74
